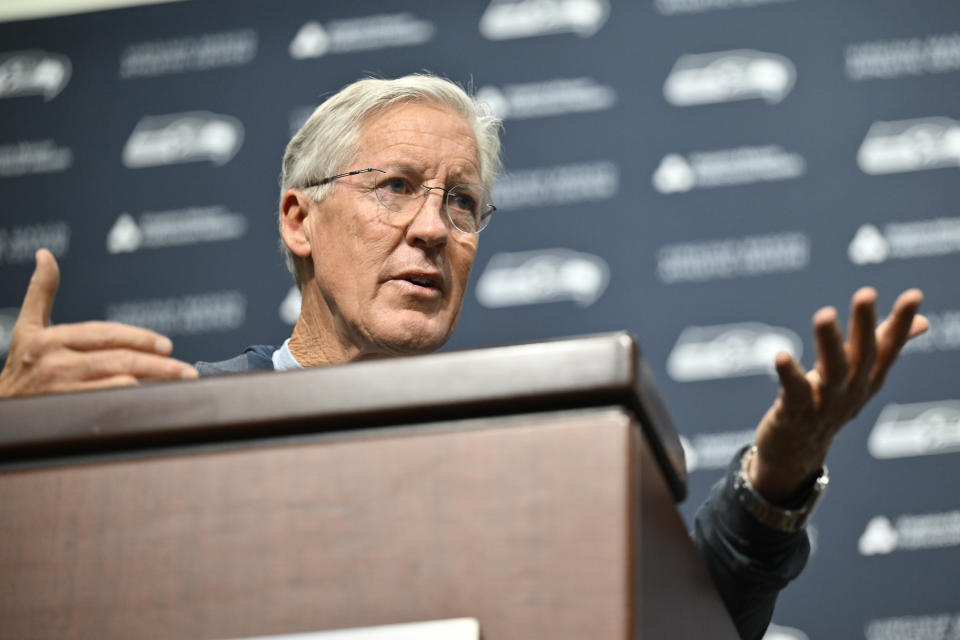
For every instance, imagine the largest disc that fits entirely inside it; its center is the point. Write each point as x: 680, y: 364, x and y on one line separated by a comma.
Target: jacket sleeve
x: 750, y: 562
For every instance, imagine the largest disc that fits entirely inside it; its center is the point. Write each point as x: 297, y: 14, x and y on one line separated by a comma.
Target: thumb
x: 38, y: 302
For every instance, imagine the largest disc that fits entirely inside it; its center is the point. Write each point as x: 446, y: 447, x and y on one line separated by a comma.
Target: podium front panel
x: 522, y: 522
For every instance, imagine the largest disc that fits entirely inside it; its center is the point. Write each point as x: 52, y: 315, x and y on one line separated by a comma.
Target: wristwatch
x: 787, y: 520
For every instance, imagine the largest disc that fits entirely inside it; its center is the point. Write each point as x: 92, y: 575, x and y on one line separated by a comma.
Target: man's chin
x: 413, y: 338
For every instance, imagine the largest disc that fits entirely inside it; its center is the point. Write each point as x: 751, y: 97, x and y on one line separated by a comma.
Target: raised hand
x: 77, y: 357
x: 795, y: 434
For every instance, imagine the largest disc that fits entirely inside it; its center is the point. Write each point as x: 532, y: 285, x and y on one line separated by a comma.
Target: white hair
x: 327, y: 143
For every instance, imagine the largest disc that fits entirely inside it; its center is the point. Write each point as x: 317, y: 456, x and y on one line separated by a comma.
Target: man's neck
x: 315, y: 341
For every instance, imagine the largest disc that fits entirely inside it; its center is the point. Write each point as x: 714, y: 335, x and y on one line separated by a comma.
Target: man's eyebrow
x: 455, y: 175
x: 403, y: 168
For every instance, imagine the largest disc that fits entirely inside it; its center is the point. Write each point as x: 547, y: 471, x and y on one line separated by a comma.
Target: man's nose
x: 429, y: 226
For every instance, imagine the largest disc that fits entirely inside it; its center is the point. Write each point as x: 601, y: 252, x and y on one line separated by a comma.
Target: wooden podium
x: 531, y: 487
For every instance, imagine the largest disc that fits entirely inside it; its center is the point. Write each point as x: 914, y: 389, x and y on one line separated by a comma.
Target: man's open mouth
x: 423, y: 282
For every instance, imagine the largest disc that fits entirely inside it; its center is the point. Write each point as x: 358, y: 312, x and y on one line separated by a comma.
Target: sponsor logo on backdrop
x: 315, y: 39
x: 868, y: 246
x: 8, y: 318
x: 193, y: 225
x: 714, y: 450
x: 671, y: 7
x: 33, y: 73
x: 194, y: 53
x: 194, y: 136
x: 743, y: 165
x: 509, y: 19
x: 883, y: 536
x: 19, y: 244
x: 910, y: 145
x: 725, y: 76
x: 548, y: 275
x: 729, y: 351
x: 733, y: 257
x: 902, y: 240
x: 290, y: 307
x: 944, y: 626
x: 943, y: 334
x: 558, y: 185
x: 547, y: 98
x: 186, y: 315
x: 778, y: 632
x: 33, y: 156
x: 886, y: 59
x: 920, y: 429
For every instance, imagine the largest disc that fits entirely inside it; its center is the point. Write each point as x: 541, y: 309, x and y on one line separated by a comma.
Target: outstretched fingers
x: 796, y: 392
x: 794, y: 436
x: 121, y: 362
x: 902, y: 324
x: 861, y: 341
x: 41, y: 292
x: 832, y: 366
x: 99, y: 383
x: 95, y: 335
x: 86, y: 355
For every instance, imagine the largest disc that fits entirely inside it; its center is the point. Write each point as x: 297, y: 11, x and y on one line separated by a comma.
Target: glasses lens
x: 396, y: 193
x: 465, y: 210
x: 399, y: 194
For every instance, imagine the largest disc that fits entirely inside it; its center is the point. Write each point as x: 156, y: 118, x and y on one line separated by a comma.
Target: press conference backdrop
x: 704, y: 173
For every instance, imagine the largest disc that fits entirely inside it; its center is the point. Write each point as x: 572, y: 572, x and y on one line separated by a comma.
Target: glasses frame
x: 487, y: 209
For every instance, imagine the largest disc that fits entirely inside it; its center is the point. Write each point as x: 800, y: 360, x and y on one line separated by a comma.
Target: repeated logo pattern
x: 28, y: 73
x: 704, y: 173
x: 314, y: 40
x: 183, y: 137
x: 510, y: 19
x: 729, y: 351
x: 725, y: 76
x: 195, y: 53
x: 729, y: 167
x: 910, y: 145
x: 555, y: 97
x: 920, y: 429
x: 549, y: 275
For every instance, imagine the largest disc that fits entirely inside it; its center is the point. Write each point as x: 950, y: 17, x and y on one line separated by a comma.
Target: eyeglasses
x: 401, y: 195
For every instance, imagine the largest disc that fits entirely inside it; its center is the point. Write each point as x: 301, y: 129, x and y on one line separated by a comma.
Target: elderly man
x: 385, y: 190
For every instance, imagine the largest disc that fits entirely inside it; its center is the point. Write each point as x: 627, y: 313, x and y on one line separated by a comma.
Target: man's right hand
x: 82, y: 356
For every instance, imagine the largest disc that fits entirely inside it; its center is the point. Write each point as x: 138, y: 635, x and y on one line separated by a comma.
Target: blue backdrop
x: 704, y: 173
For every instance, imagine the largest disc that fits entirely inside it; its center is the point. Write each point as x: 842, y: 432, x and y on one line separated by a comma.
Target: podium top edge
x: 577, y: 372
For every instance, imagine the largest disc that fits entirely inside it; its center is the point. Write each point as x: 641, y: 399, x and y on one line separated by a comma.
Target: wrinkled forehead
x: 426, y: 137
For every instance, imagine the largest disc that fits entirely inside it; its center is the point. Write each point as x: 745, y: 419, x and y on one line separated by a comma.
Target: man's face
x: 395, y: 286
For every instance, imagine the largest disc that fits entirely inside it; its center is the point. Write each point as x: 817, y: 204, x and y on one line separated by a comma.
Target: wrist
x: 777, y: 482
x: 789, y: 516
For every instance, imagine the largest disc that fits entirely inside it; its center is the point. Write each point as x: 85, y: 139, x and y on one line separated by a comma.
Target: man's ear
x: 295, y: 209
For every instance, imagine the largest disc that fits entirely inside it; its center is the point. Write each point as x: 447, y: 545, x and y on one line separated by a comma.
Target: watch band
x: 787, y: 520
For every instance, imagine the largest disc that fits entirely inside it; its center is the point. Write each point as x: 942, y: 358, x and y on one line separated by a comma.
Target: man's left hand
x: 795, y: 434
